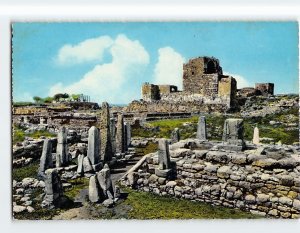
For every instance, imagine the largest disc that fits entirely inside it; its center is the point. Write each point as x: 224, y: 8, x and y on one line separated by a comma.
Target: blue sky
x: 110, y: 61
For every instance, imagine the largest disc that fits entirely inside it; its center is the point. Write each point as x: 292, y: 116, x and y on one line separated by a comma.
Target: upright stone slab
x: 163, y: 154
x: 26, y: 119
x: 93, y: 151
x: 233, y: 132
x: 53, y: 189
x: 95, y: 191
x: 105, y: 182
x: 106, y: 146
x: 43, y: 121
x: 125, y: 138
x: 46, y: 161
x: 127, y: 134
x: 164, y: 162
x: 256, y: 139
x: 175, y: 136
x: 113, y: 134
x: 62, y: 155
x: 120, y: 135
x: 80, y: 170
x: 201, y: 128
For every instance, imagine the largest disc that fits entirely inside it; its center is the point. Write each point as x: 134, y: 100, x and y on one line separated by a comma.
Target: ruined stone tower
x: 201, y: 76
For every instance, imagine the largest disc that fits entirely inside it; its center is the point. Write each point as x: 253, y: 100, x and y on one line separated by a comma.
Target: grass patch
x: 149, y: 206
x: 150, y: 148
x: 19, y: 134
x: 215, y: 124
x: 29, y: 170
x: 77, y: 185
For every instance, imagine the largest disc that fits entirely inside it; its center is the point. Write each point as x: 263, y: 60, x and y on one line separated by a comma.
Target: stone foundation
x: 264, y: 180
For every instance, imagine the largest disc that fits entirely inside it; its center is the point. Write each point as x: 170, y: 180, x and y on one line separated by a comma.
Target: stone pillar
x: 163, y: 154
x: 26, y: 119
x: 62, y: 155
x: 105, y: 182
x: 93, y: 151
x: 53, y: 189
x: 201, y: 128
x: 175, y: 136
x: 46, y: 161
x: 164, y: 163
x: 125, y: 138
x: 106, y: 146
x: 120, y: 135
x: 113, y: 134
x: 233, y: 132
x: 128, y: 134
x: 95, y: 191
x: 43, y: 121
x: 255, y: 139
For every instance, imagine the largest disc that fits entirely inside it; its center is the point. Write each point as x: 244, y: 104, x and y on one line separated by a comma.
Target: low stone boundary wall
x: 264, y: 181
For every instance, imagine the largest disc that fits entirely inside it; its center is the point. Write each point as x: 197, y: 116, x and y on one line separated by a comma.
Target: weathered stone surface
x: 250, y: 199
x: 80, y: 164
x: 18, y: 208
x: 265, y: 163
x: 200, y: 154
x: 286, y: 180
x: 62, y: 154
x: 224, y: 172
x: 285, y: 201
x: 201, y: 128
x: 95, y: 191
x: 218, y: 156
x: 175, y: 136
x: 180, y: 153
x: 128, y: 134
x: 238, y: 158
x: 255, y: 139
x: 113, y: 134
x: 163, y: 154
x: 105, y: 182
x: 171, y: 184
x: 132, y: 178
x: 53, y: 189
x: 106, y: 146
x: 233, y: 132
x: 296, y: 204
x: 87, y: 166
x: 262, y: 198
x: 165, y: 173
x: 93, y: 151
x: 46, y: 158
x: 120, y: 146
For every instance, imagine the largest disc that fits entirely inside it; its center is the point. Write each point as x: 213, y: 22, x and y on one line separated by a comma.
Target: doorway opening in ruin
x: 210, y: 67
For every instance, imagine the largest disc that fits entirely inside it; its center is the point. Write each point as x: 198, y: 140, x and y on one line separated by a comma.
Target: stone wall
x: 150, y: 92
x: 179, y: 102
x: 195, y: 74
x: 265, y: 88
x: 263, y: 180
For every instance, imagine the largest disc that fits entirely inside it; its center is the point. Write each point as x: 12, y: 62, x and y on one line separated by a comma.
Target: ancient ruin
x: 106, y: 145
x: 62, y: 154
x: 213, y: 151
x: 53, y: 189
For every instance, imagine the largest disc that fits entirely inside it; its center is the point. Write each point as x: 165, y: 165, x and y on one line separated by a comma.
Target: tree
x: 37, y: 99
x: 65, y: 96
x: 48, y: 99
x: 75, y: 97
x: 57, y: 96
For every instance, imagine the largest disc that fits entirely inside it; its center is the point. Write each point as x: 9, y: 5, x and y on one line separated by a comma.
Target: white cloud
x: 88, y: 50
x: 169, y: 68
x: 241, y: 81
x: 112, y: 81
